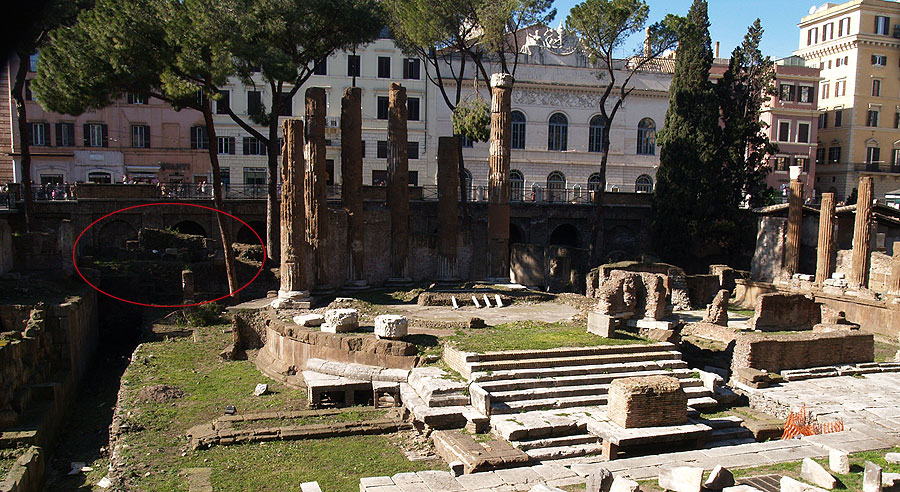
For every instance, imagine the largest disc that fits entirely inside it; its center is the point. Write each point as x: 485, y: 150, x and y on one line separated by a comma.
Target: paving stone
x: 385, y: 488
x: 622, y: 484
x: 839, y: 461
x: 440, y: 480
x: 892, y: 458
x: 483, y: 480
x: 542, y: 487
x: 516, y: 476
x: 681, y: 478
x: 375, y: 482
x: 553, y: 472
x: 815, y: 473
x: 414, y: 487
x: 890, y: 480
x: 788, y: 484
x: 872, y: 478
x: 741, y: 488
x: 719, y: 478
x: 600, y: 480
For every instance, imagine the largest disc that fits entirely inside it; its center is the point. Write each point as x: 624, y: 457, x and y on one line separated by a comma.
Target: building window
x: 786, y: 92
x: 896, y: 120
x: 411, y: 68
x: 412, y: 150
x: 321, y: 68
x: 838, y: 117
x: 820, y: 156
x: 353, y: 66
x: 823, y: 119
x: 254, y: 102
x: 895, y: 160
x: 803, y: 132
x: 140, y: 136
x: 840, y: 88
x: 876, y: 87
x: 253, y: 146
x: 806, y: 94
x: 95, y: 135
x: 825, y: 90
x: 99, y: 177
x: 556, y: 186
x: 255, y: 176
x: 381, y: 149
x: 812, y: 36
x: 287, y: 104
x: 646, y: 137
x: 872, y: 118
x: 557, y: 136
x: 412, y: 108
x: 40, y: 134
x: 199, y: 137
x: 223, y: 102
x: 784, y: 131
x: 384, y: 67
x: 844, y: 26
x: 467, y: 142
x: 382, y: 110
x: 32, y: 62
x: 873, y: 155
x: 595, y: 134
x: 136, y: 99
x: 225, y: 145
x: 594, y: 182
x: 879, y: 60
x: 882, y: 25
x: 834, y: 154
x: 516, y: 185
x: 803, y: 163
x: 781, y: 163
x: 644, y: 184
x: 28, y: 95
x: 517, y: 123
x: 65, y: 134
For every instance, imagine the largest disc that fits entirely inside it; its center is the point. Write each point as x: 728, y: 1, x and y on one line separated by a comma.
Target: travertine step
x: 702, y: 403
x: 562, y: 452
x: 531, y: 427
x: 451, y: 417
x: 595, y: 359
x: 547, y: 404
x: 449, y: 400
x: 553, y: 442
x: 730, y: 433
x: 580, y: 370
x: 567, y: 352
x: 589, y: 378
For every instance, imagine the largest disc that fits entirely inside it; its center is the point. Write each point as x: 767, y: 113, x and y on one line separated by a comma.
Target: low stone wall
x: 781, y: 311
x: 747, y: 292
x: 775, y: 353
x: 711, y: 331
x: 6, y: 248
x: 874, y: 316
x: 880, y: 269
x: 649, y: 401
x: 702, y: 289
x: 27, y: 474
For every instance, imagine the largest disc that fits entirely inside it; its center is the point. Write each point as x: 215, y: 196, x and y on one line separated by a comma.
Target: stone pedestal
x: 293, y: 291
x: 795, y: 222
x: 341, y: 321
x: 648, y: 401
x: 825, y: 248
x: 894, y: 285
x: 391, y: 326
x: 351, y: 185
x: 862, y: 235
x: 398, y: 185
x: 448, y: 209
x: 187, y: 286
x: 315, y: 191
x: 498, y: 179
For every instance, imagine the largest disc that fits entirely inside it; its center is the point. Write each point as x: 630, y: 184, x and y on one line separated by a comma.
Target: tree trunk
x: 273, y: 238
x: 596, y: 249
x: 463, y: 182
x: 224, y: 232
x: 18, y: 94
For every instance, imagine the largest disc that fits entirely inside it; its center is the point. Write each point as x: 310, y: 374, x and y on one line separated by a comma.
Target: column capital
x: 502, y: 80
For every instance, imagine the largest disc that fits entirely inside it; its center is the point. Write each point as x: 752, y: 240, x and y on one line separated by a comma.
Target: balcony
x: 877, y: 167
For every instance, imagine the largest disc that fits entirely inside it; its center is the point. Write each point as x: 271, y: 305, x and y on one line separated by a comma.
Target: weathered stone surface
x: 862, y: 235
x: 839, y: 461
x: 315, y: 183
x: 795, y: 221
x: 622, y: 484
x: 815, y: 473
x: 788, y: 484
x: 628, y: 295
x: 398, y: 181
x: 893, y: 458
x: 261, y: 389
x: 448, y: 208
x: 498, y: 179
x: 600, y: 480
x: 545, y: 488
x: 741, y: 488
x: 648, y: 401
x: 719, y: 478
x: 777, y: 352
x: 309, y: 320
x: 310, y: 487
x: 717, y: 312
x: 352, y: 180
x: 602, y: 324
x: 292, y: 273
x: 825, y: 247
x: 681, y: 478
x: 778, y: 311
x: 341, y: 320
x: 872, y: 474
x: 391, y: 326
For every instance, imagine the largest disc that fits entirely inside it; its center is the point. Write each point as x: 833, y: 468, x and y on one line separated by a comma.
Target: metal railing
x: 877, y: 167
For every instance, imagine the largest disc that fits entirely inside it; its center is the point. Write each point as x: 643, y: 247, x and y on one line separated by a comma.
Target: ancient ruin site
x: 702, y: 311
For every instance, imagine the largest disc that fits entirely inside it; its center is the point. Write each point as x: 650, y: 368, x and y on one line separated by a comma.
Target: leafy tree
x: 44, y: 16
x: 603, y: 26
x: 284, y: 40
x: 472, y: 118
x: 743, y: 89
x: 177, y: 51
x: 689, y: 190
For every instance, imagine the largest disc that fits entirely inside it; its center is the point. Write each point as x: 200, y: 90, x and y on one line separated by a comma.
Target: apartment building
x: 856, y: 46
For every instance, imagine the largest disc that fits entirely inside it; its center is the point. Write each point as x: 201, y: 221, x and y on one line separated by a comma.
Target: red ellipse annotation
x: 92, y: 224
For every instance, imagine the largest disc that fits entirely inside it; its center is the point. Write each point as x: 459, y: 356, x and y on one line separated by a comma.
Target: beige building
x: 856, y: 45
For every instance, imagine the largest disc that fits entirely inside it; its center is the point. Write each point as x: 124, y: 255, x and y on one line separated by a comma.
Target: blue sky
x: 729, y: 20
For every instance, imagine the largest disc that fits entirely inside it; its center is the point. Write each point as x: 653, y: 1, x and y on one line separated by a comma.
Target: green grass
x: 884, y: 352
x: 534, y: 335
x: 354, y: 414
x: 8, y: 458
x: 741, y: 312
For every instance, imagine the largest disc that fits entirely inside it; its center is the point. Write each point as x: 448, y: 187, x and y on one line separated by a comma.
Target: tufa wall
x: 775, y: 353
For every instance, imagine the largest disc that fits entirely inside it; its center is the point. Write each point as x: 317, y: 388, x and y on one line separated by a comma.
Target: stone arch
x: 115, y: 233
x: 190, y: 227
x: 245, y: 234
x: 564, y: 235
x: 643, y: 184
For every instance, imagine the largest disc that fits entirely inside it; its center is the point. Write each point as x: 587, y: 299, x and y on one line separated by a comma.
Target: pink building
x: 134, y: 138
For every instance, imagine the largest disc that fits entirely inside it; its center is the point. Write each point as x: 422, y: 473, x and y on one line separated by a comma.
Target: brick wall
x: 879, y: 269
x: 648, y: 401
x: 775, y: 353
x: 779, y: 311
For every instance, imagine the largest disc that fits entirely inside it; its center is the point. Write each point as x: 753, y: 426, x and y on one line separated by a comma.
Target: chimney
x: 647, y: 47
x: 717, y: 49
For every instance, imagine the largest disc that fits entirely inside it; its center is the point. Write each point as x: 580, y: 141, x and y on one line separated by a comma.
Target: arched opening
x: 564, y: 235
x: 245, y: 234
x: 646, y: 137
x: 516, y: 185
x: 595, y: 136
x: 115, y: 234
x: 467, y: 181
x: 190, y: 227
x: 556, y: 186
x: 517, y: 137
x: 557, y: 136
x: 516, y: 234
x: 643, y: 184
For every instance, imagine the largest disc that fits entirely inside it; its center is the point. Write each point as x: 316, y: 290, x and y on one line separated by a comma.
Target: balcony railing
x: 877, y: 167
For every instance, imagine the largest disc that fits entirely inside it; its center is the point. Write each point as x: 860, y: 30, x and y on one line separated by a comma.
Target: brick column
x: 351, y: 184
x: 894, y: 285
x: 293, y: 291
x: 862, y: 235
x: 398, y: 184
x: 825, y: 247
x: 498, y: 180
x: 448, y: 208
x: 314, y: 185
x: 795, y: 222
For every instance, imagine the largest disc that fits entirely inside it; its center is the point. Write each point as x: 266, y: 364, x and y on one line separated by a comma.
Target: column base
x: 321, y: 290
x: 398, y: 282
x: 447, y: 280
x: 356, y: 285
x: 293, y: 299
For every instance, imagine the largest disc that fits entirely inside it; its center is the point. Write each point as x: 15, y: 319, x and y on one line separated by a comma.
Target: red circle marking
x: 75, y: 263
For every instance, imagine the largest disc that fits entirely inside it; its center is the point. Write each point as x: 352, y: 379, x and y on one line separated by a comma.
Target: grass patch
x: 8, y: 458
x: 534, y: 335
x: 742, y: 312
x: 356, y: 414
x: 884, y: 352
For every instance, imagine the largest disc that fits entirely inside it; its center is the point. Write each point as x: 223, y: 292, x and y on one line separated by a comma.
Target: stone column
x: 795, y: 223
x: 351, y: 184
x: 398, y: 185
x: 187, y: 286
x: 894, y: 285
x: 825, y: 248
x: 862, y: 235
x: 498, y: 180
x: 448, y: 208
x: 293, y: 291
x: 314, y: 186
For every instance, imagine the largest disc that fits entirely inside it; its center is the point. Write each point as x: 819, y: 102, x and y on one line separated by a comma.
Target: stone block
x: 309, y: 320
x: 261, y: 389
x: 741, y: 488
x: 788, y: 484
x: 717, y: 311
x: 839, y: 461
x: 545, y: 488
x: 681, y: 478
x: 778, y: 311
x: 890, y: 481
x: 815, y: 473
x: 872, y: 478
x: 719, y: 478
x: 341, y: 320
x: 600, y: 480
x: 602, y: 324
x: 893, y: 458
x: 622, y: 484
x: 649, y: 401
x: 310, y: 487
x: 456, y: 468
x: 391, y: 326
